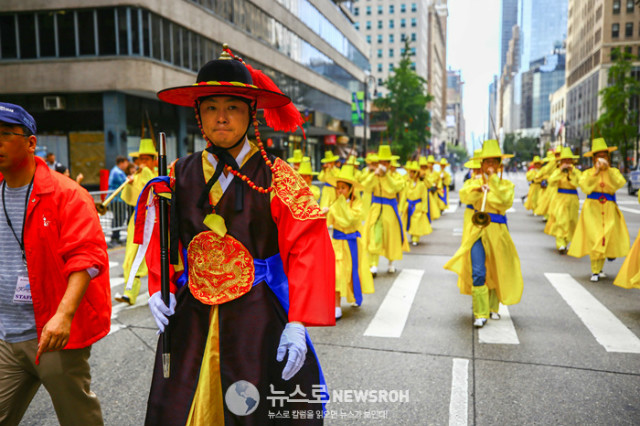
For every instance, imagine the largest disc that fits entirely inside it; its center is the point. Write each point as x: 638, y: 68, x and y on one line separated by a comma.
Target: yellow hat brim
x: 609, y: 148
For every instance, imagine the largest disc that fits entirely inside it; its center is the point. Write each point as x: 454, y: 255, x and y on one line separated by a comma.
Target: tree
x: 458, y: 153
x: 618, y: 123
x: 406, y: 106
x: 524, y: 148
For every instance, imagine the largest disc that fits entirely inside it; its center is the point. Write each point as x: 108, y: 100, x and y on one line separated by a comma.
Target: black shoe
x: 611, y: 259
x: 122, y: 299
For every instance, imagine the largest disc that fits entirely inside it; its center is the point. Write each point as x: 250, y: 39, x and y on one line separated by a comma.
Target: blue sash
x: 495, y: 217
x: 393, y: 203
x: 469, y: 206
x: 602, y: 197
x: 412, y: 208
x: 271, y: 271
x: 444, y: 197
x: 352, y: 240
x: 429, y: 207
x: 567, y: 191
x: 329, y: 185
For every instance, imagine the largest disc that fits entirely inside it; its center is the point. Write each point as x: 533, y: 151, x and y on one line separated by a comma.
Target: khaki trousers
x: 65, y: 374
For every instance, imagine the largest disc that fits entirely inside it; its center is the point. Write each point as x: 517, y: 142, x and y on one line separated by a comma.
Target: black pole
x: 366, y: 120
x: 164, y: 256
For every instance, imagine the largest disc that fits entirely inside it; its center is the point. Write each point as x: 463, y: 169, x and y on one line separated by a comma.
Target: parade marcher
x: 444, y: 180
x: 353, y: 278
x: 296, y: 159
x: 148, y: 158
x: 430, y: 180
x: 383, y: 228
x: 550, y: 191
x: 307, y: 174
x: 259, y: 264
x: 118, y: 176
x: 534, y: 185
x: 475, y: 167
x: 414, y: 205
x: 487, y: 262
x: 55, y: 300
x: 563, y: 212
x: 329, y: 169
x: 629, y: 273
x: 372, y: 164
x: 602, y: 231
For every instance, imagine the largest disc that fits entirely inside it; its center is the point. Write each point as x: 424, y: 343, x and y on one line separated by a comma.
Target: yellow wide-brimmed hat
x: 371, y: 158
x: 346, y: 174
x: 384, y: 153
x: 431, y: 159
x: 305, y: 167
x: 598, y: 145
x: 422, y: 161
x: 394, y: 161
x: 297, y: 156
x: 412, y: 166
x: 567, y: 154
x: 352, y: 160
x: 491, y: 149
x: 558, y: 149
x: 473, y: 163
x: 329, y: 157
x: 536, y: 160
x: 146, y: 148
x: 444, y: 162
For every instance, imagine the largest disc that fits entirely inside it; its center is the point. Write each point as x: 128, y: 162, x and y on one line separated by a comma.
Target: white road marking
x: 451, y: 208
x: 458, y: 405
x: 457, y: 232
x: 511, y: 210
x: 142, y: 300
x: 117, y: 281
x: 116, y: 327
x: 608, y: 330
x: 392, y: 314
x: 627, y: 209
x: 113, y: 264
x: 501, y: 332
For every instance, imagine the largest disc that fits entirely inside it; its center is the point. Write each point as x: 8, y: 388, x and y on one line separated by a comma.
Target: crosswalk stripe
x: 452, y: 208
x: 500, y: 332
x: 393, y: 312
x: 142, y: 300
x: 116, y: 281
x: 608, y: 330
x: 627, y: 209
x: 113, y: 264
x: 457, y: 231
x: 458, y: 404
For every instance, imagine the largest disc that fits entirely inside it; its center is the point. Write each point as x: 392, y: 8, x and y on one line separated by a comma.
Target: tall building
x: 508, y: 20
x: 386, y: 24
x: 89, y: 71
x: 544, y: 77
x: 493, y: 103
x: 455, y: 113
x: 595, y: 28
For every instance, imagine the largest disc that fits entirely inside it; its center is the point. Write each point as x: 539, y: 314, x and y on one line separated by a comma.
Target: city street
x: 568, y: 353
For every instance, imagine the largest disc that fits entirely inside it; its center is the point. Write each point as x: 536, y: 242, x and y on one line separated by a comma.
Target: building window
x: 356, y: 26
x: 391, y: 38
x: 628, y: 29
x: 391, y: 68
x: 368, y: 25
x: 616, y: 7
x: 614, y: 55
x: 380, y: 10
x: 413, y: 66
x: 615, y: 30
x: 46, y: 34
x: 107, y: 33
x: 403, y: 23
x: 368, y: 10
x: 380, y: 83
x: 379, y: 67
x: 379, y: 53
x: 379, y: 24
x: 390, y: 23
x: 391, y: 8
x: 379, y: 38
x: 414, y: 7
x: 627, y: 50
x: 413, y: 51
x: 413, y: 36
x: 8, y: 46
x: 27, y: 35
x: 403, y: 37
x: 391, y: 53
x: 356, y: 11
x: 369, y: 39
x: 414, y: 22
x: 630, y: 6
x: 639, y: 52
x: 403, y: 8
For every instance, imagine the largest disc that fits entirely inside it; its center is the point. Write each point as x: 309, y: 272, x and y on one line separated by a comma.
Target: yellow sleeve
x: 588, y: 181
x: 501, y: 192
x: 617, y: 180
x: 469, y: 193
x: 345, y: 216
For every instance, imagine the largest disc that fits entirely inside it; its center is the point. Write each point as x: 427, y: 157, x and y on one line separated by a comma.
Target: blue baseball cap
x: 15, y: 114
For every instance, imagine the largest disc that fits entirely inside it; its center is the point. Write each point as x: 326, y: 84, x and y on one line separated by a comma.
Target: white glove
x: 294, y: 339
x: 160, y: 311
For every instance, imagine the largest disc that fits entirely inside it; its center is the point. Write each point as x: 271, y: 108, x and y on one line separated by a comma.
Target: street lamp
x: 368, y: 78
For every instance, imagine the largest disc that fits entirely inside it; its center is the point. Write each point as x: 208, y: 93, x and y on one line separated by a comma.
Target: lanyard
x: 24, y: 219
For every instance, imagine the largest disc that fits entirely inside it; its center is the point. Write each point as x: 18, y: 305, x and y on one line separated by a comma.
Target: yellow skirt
x: 629, y: 274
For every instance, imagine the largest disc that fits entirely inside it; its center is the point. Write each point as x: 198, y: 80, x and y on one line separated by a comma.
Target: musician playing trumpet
x: 601, y: 232
x: 487, y: 262
x: 563, y: 212
x: 147, y: 170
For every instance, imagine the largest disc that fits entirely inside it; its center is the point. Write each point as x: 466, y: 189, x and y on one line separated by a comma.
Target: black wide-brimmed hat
x: 229, y: 75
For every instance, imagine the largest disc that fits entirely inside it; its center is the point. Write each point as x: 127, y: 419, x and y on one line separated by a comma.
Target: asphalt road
x: 568, y: 353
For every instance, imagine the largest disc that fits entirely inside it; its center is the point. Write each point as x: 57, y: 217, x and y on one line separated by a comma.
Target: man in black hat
x: 258, y: 264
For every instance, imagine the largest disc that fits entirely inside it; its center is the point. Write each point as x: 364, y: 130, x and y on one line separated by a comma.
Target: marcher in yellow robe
x: 444, y: 181
x: 601, y: 232
x: 430, y: 180
x: 296, y: 160
x: 414, y: 205
x: 353, y: 277
x: 629, y: 274
x: 148, y: 158
x: 563, y: 213
x: 307, y: 174
x: 383, y: 228
x: 545, y: 200
x: 372, y: 165
x: 329, y: 170
x: 534, y: 185
x: 487, y: 262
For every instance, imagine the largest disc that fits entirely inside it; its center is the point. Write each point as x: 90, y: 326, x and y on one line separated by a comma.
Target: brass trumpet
x: 482, y: 219
x: 102, y: 207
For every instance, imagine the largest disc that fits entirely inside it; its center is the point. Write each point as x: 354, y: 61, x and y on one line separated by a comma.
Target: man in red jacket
x: 55, y: 299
